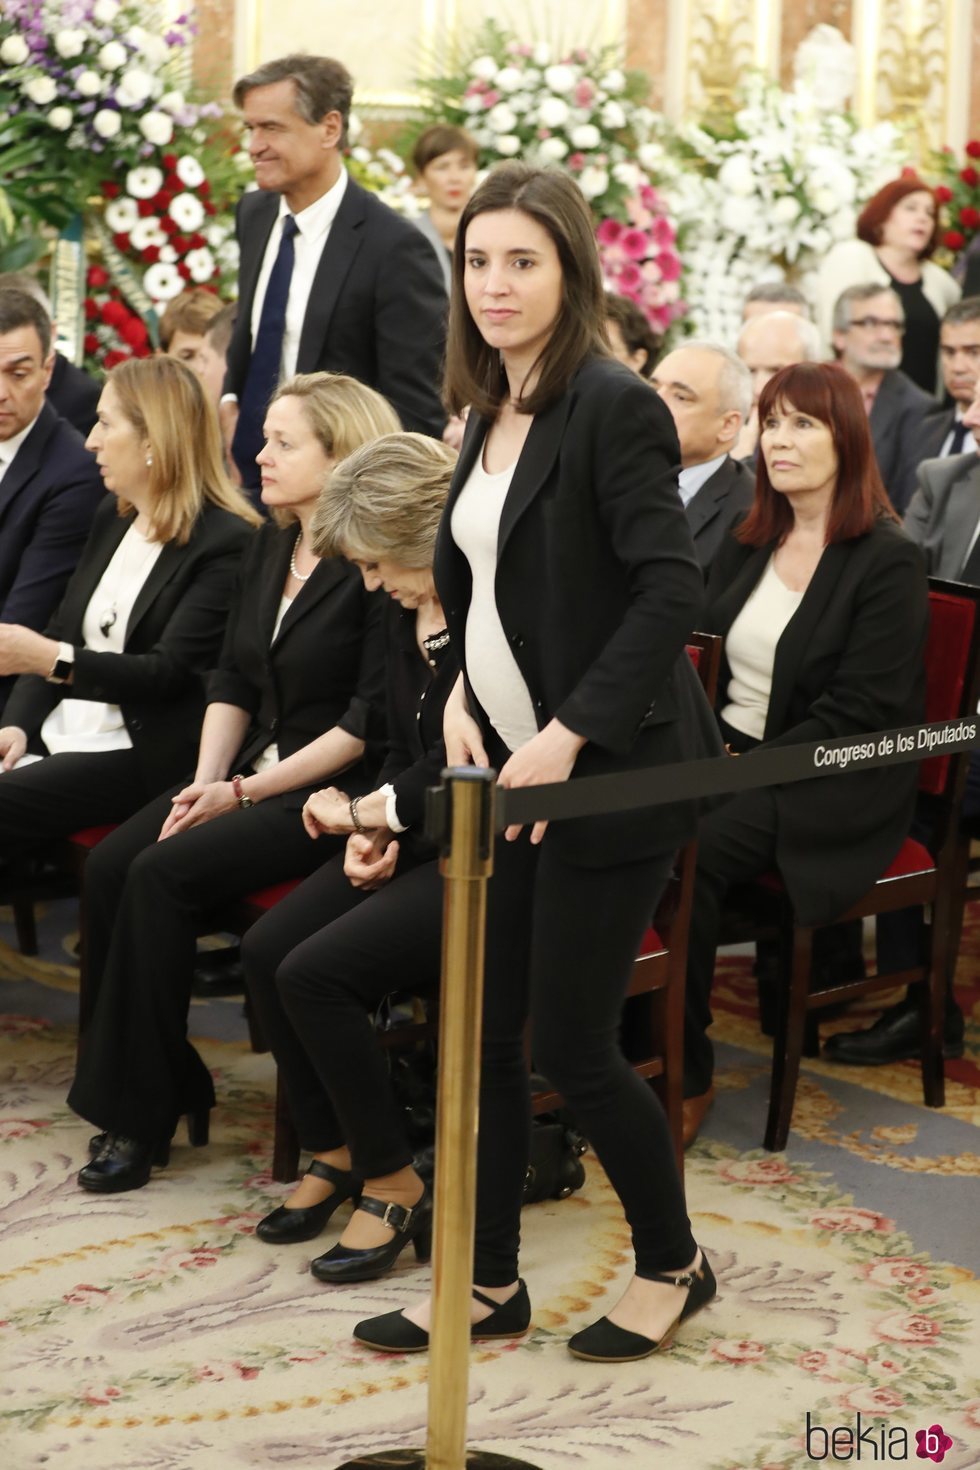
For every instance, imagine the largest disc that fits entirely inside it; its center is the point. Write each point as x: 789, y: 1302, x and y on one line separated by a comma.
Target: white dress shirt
x: 694, y: 476
x: 313, y: 228
x: 969, y: 442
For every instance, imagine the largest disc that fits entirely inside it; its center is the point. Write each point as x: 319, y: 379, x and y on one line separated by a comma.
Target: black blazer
x: 48, y: 497
x: 850, y: 660
x: 898, y: 415
x: 74, y: 394
x: 172, y: 638
x: 598, y: 589
x: 722, y: 500
x: 417, y: 697
x: 377, y: 308
x: 325, y: 668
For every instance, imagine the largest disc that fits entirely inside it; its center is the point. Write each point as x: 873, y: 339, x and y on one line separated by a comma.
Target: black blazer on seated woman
x: 594, y: 504
x: 172, y: 640
x: 851, y: 660
x: 331, y: 641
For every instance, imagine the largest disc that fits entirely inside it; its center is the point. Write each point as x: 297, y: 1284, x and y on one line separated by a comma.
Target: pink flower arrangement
x: 640, y: 259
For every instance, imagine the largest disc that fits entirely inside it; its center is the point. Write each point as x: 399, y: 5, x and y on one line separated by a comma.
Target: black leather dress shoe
x: 894, y: 1037
x: 121, y: 1164
x: 218, y: 972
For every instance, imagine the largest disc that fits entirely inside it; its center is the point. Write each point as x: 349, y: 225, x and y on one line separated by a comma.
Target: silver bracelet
x: 358, y: 824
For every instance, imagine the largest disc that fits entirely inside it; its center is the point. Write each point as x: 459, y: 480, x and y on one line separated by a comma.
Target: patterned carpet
x: 152, y: 1331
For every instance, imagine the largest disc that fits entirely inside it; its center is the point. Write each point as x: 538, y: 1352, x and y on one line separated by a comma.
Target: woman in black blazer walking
x: 298, y: 696
x: 112, y: 694
x: 569, y: 581
x: 823, y: 603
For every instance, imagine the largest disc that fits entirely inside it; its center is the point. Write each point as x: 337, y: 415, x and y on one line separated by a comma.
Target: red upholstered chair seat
x: 90, y: 837
x: 652, y: 943
x: 267, y: 898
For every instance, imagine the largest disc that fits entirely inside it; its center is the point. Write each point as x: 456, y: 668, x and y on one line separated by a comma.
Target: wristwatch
x: 63, y: 666
x: 239, y: 790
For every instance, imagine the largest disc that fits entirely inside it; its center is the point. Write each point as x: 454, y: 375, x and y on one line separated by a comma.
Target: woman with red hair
x: 897, y: 232
x: 823, y: 604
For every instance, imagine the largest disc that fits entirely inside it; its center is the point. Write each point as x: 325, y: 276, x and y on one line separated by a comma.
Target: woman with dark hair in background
x: 633, y: 340
x: 444, y: 159
x: 569, y: 581
x: 897, y: 232
x: 823, y: 604
x: 297, y: 697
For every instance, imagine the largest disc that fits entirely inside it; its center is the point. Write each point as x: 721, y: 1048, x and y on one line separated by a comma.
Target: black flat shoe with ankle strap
x: 604, y: 1342
x: 288, y: 1224
x: 345, y: 1263
x: 394, y: 1333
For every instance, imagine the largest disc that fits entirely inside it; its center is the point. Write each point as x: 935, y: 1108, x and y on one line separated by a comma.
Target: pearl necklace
x: 292, y: 562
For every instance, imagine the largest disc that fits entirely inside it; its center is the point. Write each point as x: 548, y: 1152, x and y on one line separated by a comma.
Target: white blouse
x: 750, y: 648
x: 492, y: 669
x: 82, y: 725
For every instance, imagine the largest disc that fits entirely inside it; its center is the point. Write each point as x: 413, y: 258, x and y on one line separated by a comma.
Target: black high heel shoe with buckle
x: 346, y: 1263
x: 394, y: 1333
x: 604, y: 1342
x: 291, y: 1223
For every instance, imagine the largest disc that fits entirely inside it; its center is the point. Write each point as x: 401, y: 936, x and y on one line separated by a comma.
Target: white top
x: 270, y: 756
x: 751, y: 652
x: 969, y: 442
x: 313, y: 227
x: 493, y: 672
x: 86, y: 724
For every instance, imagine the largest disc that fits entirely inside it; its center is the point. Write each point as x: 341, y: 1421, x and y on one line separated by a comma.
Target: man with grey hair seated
x: 766, y: 343
x: 709, y: 393
x: 868, y: 324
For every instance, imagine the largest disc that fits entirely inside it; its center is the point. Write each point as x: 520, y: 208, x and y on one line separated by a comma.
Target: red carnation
x: 121, y: 242
x: 943, y: 195
x: 169, y: 226
x: 973, y: 148
x: 144, y: 350
x: 953, y: 240
x: 97, y: 276
x: 969, y: 217
x: 133, y: 332
x: 174, y: 184
x: 197, y: 242
x: 110, y: 190
x: 169, y: 161
x: 969, y: 176
x: 91, y: 344
x: 160, y: 202
x: 114, y: 358
x: 91, y: 308
x: 184, y: 271
x: 114, y: 314
x: 209, y: 207
x: 150, y: 255
x: 145, y: 208
x: 180, y: 243
x: 204, y: 190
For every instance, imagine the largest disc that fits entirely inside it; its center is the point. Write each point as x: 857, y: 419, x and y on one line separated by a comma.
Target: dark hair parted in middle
x: 824, y: 391
x: 474, y: 374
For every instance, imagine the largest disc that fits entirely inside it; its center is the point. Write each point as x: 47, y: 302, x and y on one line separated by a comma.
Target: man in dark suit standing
x: 72, y: 392
x: 709, y: 393
x: 330, y: 278
x: 49, y: 483
x: 867, y: 334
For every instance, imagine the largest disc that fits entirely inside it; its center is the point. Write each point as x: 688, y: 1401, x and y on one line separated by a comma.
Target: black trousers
x: 54, y: 797
x: 736, y: 843
x: 316, y: 966
x: 561, y: 942
x: 145, y: 903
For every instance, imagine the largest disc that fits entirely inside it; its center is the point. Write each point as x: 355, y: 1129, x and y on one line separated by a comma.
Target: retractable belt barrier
x: 589, y: 796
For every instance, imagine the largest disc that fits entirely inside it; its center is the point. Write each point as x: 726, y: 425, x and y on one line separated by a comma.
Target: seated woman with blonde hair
x: 322, y: 960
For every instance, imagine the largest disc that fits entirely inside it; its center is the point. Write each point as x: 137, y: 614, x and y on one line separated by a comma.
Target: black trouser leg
x: 55, y: 797
x: 317, y: 967
x: 137, y: 1071
x: 736, y: 842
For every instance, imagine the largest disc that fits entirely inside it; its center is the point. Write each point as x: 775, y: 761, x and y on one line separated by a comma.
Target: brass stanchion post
x: 466, y: 865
